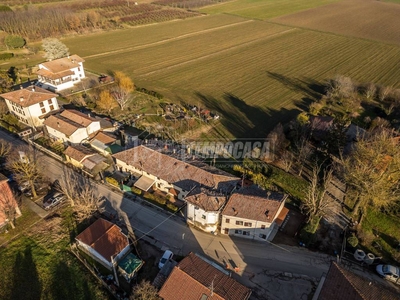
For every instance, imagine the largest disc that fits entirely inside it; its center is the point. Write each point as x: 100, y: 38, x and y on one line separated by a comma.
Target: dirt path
x: 183, y: 36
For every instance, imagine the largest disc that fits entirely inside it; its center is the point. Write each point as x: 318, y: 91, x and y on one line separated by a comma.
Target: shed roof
x: 104, y: 237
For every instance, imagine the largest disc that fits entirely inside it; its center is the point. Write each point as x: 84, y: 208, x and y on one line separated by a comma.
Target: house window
x: 226, y: 230
x: 238, y: 231
x: 43, y: 110
x: 50, y: 101
x: 262, y: 236
x: 51, y: 107
x: 41, y: 104
x: 247, y: 224
x: 239, y: 222
x: 203, y: 217
x: 262, y: 226
x: 227, y: 220
x: 246, y: 232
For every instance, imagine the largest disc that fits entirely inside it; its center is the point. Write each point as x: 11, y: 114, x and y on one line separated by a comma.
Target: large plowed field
x: 368, y: 19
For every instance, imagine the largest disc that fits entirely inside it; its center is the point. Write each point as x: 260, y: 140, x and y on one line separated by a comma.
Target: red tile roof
x: 28, y: 96
x: 78, y: 117
x: 78, y: 152
x: 206, y: 199
x: 63, y: 64
x: 175, y: 171
x: 104, y: 237
x: 7, y: 198
x: 194, y: 277
x: 254, y: 204
x: 343, y: 284
x: 105, y: 138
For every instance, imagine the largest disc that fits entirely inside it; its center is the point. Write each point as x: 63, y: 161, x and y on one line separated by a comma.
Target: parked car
x: 166, y: 256
x: 389, y: 272
x: 53, y: 201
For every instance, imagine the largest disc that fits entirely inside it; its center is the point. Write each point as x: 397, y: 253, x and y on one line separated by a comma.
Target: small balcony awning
x: 144, y: 183
x: 282, y: 215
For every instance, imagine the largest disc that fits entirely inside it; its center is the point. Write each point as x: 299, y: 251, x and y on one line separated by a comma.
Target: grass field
x: 253, y: 73
x: 263, y: 9
x: 373, y: 20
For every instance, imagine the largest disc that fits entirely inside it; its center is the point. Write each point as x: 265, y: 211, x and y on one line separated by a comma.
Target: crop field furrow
x: 216, y: 53
x: 144, y: 46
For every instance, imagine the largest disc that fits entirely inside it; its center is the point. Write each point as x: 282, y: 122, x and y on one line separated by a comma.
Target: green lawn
x: 38, y: 265
x: 263, y: 9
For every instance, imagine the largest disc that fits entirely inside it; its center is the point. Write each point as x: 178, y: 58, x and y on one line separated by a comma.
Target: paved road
x: 171, y: 232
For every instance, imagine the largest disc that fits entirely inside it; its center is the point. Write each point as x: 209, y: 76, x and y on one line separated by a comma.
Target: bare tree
x: 5, y: 149
x: 144, y: 291
x: 316, y: 202
x: 123, y: 89
x: 340, y: 87
x: 287, y: 159
x: 8, y: 204
x: 81, y: 194
x: 370, y: 91
x: 26, y: 164
x: 372, y: 170
x: 303, y: 152
x: 277, y: 141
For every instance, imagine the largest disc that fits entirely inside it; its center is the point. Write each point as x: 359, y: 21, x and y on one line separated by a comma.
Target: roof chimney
x: 21, y: 99
x: 33, y: 89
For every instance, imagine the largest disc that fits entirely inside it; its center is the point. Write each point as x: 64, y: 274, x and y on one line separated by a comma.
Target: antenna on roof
x: 212, y: 286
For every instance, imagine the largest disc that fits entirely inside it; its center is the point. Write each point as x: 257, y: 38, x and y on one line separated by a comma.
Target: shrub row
x: 151, y: 93
x: 5, y: 56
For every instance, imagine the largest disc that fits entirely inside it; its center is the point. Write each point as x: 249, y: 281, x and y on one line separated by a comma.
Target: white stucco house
x: 61, y: 74
x: 104, y: 242
x: 204, y: 207
x: 171, y: 175
x: 253, y: 213
x: 31, y: 104
x: 71, y: 126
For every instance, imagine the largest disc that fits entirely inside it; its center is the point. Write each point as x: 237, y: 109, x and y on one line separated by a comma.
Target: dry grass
x: 369, y: 19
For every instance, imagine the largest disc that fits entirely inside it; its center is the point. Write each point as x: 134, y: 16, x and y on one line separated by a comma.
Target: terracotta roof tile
x: 253, y: 203
x: 28, y: 96
x: 206, y: 199
x: 7, y: 198
x: 193, y: 277
x: 177, y: 172
x: 78, y: 152
x: 180, y: 286
x: 104, y: 237
x: 62, y: 125
x: 78, y: 117
x: 105, y: 138
x: 344, y: 284
x: 63, y: 64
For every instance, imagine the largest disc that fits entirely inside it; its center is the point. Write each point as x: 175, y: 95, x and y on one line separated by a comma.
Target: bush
x: 112, y: 181
x: 5, y: 8
x: 5, y: 56
x: 136, y: 191
x: 14, y: 41
x: 352, y: 241
x: 307, y: 234
x: 151, y: 93
x: 172, y: 207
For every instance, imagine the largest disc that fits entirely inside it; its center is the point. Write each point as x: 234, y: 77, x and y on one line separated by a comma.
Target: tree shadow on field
x: 245, y: 121
x: 311, y: 89
x: 26, y: 283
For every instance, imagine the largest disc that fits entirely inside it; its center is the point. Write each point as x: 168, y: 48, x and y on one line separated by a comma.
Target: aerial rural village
x: 200, y: 149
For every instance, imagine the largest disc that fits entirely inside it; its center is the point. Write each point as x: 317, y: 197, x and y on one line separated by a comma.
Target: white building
x: 104, y: 241
x: 204, y: 207
x: 31, y: 104
x: 253, y: 213
x: 170, y: 175
x: 61, y: 74
x: 71, y: 126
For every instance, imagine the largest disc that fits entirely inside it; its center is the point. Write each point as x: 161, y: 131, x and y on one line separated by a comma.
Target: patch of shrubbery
x: 307, y: 234
x: 6, y: 56
x: 112, y: 181
x: 151, y: 93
